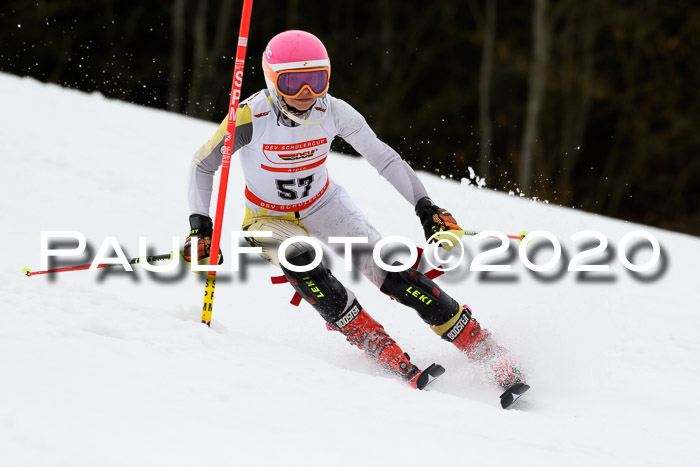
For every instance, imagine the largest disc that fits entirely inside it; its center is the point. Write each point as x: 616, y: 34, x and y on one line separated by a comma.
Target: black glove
x: 200, y: 227
x: 435, y: 220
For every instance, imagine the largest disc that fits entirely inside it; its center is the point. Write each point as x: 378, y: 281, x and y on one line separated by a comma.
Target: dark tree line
x: 591, y: 103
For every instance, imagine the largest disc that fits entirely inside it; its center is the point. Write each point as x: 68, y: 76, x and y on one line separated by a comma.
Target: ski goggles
x: 291, y: 83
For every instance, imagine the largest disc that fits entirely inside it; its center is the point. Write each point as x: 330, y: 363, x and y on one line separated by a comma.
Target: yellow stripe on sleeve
x: 213, y: 142
x: 243, y: 116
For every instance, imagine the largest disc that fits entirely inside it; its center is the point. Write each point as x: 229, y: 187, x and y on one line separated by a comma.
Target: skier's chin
x: 302, y: 104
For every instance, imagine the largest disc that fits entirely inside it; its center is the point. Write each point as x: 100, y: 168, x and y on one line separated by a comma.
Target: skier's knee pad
x: 414, y: 289
x: 318, y: 287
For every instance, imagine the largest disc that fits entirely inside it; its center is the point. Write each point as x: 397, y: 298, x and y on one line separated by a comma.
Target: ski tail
x: 423, y: 378
x: 512, y: 394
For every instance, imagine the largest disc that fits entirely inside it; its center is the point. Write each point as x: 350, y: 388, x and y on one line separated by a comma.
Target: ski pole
x: 208, y: 304
x: 149, y: 259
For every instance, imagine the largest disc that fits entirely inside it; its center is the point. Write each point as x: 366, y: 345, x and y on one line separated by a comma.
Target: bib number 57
x: 285, y: 190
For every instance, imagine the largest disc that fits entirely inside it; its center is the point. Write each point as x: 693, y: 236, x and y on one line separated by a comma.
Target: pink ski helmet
x: 294, y: 61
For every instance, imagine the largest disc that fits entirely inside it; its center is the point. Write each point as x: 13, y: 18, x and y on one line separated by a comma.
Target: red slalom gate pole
x: 208, y: 304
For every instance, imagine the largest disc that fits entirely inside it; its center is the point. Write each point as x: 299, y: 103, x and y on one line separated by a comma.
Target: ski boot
x: 479, y: 345
x: 361, y: 330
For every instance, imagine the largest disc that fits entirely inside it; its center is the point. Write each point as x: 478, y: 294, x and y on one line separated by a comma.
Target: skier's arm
x: 353, y: 128
x: 207, y: 160
x: 205, y: 163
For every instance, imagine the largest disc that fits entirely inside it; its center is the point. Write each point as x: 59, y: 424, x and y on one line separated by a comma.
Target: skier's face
x: 303, y: 101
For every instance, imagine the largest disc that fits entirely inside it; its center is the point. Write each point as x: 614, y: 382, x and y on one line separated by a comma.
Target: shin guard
x: 318, y: 287
x: 415, y: 290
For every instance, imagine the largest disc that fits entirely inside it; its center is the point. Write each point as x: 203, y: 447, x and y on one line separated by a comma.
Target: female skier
x: 283, y: 136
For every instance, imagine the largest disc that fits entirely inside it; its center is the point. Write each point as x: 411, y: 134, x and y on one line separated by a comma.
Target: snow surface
x: 111, y: 368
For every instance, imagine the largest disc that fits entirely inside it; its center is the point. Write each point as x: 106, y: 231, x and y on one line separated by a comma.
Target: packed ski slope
x: 113, y: 369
